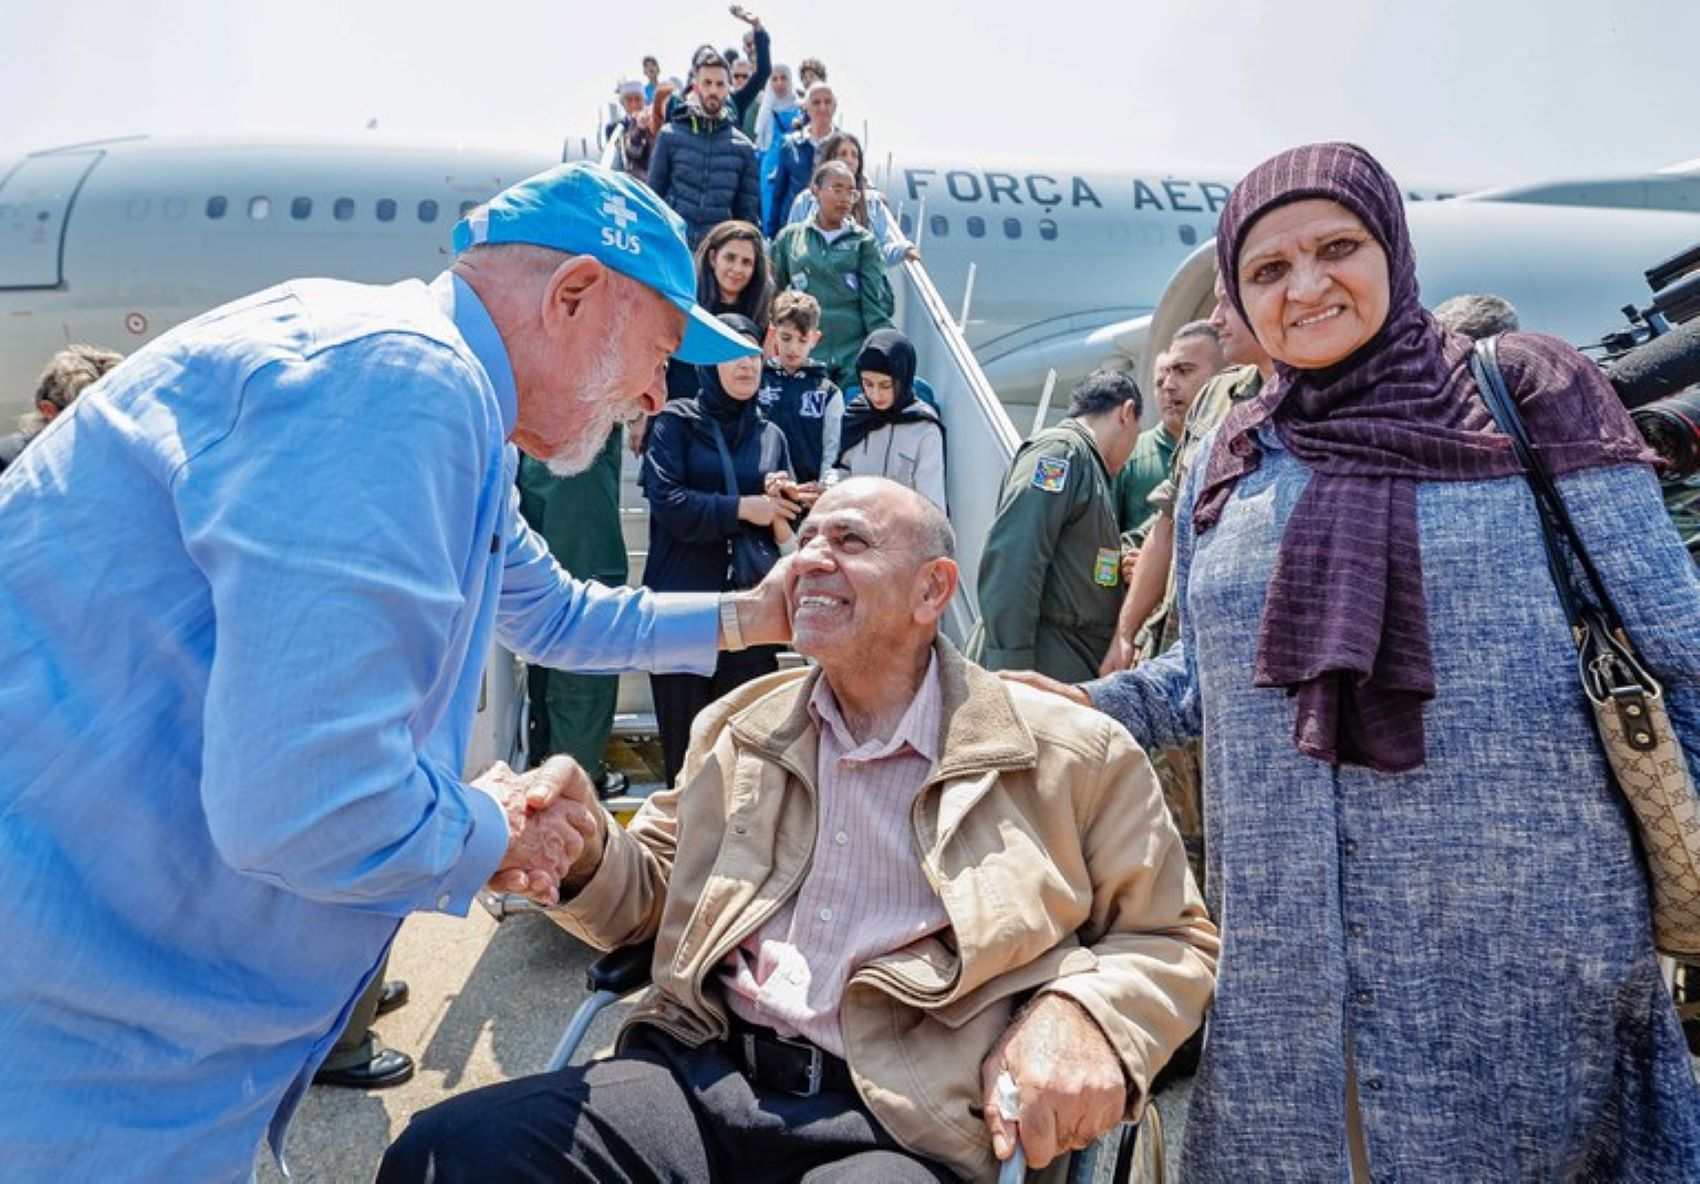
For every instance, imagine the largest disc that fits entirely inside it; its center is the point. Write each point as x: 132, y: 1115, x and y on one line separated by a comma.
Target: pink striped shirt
x: 865, y: 893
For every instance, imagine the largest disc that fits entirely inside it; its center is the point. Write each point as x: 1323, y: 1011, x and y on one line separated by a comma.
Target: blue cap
x: 585, y: 209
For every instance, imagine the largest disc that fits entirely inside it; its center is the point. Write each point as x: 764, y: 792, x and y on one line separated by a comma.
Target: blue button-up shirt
x: 246, y: 589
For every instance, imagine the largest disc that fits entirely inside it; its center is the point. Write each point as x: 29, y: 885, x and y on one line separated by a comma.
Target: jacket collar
x: 980, y: 730
x: 1085, y: 433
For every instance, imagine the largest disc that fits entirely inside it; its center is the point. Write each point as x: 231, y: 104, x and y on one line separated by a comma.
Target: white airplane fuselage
x: 115, y: 242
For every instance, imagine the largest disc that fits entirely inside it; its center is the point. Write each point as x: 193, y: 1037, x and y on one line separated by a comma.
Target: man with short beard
x: 703, y: 165
x: 247, y: 588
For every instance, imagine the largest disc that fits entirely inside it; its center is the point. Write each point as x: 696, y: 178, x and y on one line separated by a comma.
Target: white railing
x: 980, y: 440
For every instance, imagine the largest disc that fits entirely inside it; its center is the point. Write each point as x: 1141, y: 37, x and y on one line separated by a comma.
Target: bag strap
x: 1555, y: 518
x: 727, y: 471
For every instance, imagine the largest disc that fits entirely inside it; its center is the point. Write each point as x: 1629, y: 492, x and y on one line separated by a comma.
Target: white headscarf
x: 772, y: 106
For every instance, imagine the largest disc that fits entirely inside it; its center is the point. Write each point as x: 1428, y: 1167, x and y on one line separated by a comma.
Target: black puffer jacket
x: 706, y: 170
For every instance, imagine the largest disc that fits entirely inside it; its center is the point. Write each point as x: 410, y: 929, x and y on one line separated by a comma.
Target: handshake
x: 556, y: 828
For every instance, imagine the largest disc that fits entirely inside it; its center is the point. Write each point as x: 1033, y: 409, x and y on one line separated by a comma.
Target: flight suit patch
x: 1106, y: 570
x: 1051, y: 474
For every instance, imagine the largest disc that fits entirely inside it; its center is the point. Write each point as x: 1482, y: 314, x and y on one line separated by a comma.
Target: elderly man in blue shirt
x: 246, y: 589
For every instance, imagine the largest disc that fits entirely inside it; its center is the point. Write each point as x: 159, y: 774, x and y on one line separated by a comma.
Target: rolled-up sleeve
x: 550, y: 619
x: 332, y: 533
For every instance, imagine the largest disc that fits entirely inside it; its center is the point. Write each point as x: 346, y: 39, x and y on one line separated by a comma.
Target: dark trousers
x: 579, y: 518
x: 358, y: 1043
x: 656, y: 1112
x: 679, y: 697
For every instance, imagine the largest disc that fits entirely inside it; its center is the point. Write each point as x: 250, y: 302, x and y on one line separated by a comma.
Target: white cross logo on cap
x: 615, y: 207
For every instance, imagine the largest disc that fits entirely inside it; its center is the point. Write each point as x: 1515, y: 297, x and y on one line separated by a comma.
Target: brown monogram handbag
x: 1628, y: 703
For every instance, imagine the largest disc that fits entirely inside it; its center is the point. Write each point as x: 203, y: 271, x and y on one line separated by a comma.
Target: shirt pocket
x: 903, y: 467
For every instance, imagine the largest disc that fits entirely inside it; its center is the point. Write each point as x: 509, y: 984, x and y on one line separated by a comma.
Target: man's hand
x: 745, y: 15
x: 1071, y: 1083
x: 556, y: 828
x: 1045, y: 682
x: 1130, y: 557
x: 763, y: 617
x: 1122, y: 655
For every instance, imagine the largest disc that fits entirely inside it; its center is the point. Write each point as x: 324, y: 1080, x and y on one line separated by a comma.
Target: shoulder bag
x: 1646, y: 760
x: 750, y: 554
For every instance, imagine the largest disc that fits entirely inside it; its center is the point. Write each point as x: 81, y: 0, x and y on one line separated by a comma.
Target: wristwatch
x: 729, y: 627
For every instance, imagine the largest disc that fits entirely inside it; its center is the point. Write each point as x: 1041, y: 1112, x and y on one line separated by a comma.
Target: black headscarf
x: 885, y: 352
x: 1345, y: 625
x: 736, y: 417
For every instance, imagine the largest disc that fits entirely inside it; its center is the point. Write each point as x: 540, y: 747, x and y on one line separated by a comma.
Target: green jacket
x: 1145, y: 471
x: 1050, y: 575
x: 847, y: 276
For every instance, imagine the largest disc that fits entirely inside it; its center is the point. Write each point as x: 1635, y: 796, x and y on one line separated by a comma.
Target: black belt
x: 790, y: 1066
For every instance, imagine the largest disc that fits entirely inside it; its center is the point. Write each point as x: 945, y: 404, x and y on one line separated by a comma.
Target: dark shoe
x: 387, y: 1068
x: 613, y: 784
x: 394, y: 996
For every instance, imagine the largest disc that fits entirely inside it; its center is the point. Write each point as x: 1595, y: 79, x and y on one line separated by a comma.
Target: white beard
x: 599, y: 397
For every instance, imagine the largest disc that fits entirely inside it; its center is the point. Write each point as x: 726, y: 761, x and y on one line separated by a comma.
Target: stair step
x: 628, y: 803
x: 636, y: 723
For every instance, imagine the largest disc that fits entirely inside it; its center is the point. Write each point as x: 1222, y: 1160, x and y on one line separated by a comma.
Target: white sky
x: 1442, y: 90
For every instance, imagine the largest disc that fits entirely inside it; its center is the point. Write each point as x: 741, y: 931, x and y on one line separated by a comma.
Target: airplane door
x: 35, y: 203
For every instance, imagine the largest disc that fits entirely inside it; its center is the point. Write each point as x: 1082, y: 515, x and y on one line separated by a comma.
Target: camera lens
x: 1672, y: 427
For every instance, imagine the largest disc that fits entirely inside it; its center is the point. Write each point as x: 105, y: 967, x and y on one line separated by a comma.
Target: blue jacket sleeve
x: 747, y: 206
x: 750, y: 92
x: 1158, y: 701
x: 660, y: 177
x: 336, y: 589
x: 785, y: 188
x: 690, y: 515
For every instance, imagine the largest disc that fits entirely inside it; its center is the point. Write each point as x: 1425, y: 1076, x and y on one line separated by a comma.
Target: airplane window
x: 908, y: 225
x: 216, y: 206
x: 386, y: 209
x: 301, y: 209
x: 1048, y: 229
x: 466, y: 207
x: 938, y: 226
x: 427, y: 210
x: 976, y: 226
x: 343, y: 210
x: 1012, y: 227
x: 1189, y: 236
x: 259, y: 208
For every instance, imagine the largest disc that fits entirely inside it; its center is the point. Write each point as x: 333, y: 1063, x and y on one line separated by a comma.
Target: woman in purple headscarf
x: 1437, y: 961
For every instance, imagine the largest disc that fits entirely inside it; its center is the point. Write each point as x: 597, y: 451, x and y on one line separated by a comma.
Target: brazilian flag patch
x: 1051, y: 474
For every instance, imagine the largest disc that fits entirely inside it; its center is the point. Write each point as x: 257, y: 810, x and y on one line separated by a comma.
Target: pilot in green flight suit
x: 1050, y: 576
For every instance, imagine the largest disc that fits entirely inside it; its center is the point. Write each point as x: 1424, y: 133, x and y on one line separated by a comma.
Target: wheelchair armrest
x: 622, y: 971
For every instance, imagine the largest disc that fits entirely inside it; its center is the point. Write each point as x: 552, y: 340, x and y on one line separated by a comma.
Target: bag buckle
x: 1632, y: 712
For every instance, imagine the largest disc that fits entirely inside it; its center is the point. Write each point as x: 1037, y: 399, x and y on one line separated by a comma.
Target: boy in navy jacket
x: 795, y: 392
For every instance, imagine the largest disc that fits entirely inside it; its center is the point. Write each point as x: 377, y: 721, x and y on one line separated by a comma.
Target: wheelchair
x: 1110, y: 1160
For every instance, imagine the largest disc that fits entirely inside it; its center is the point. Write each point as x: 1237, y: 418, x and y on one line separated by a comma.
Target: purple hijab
x: 1345, y: 626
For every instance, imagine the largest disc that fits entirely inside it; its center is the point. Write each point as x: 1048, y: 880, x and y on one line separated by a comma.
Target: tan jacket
x: 1041, y: 827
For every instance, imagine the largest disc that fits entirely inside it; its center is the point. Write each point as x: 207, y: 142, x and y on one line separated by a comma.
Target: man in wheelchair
x: 875, y: 886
